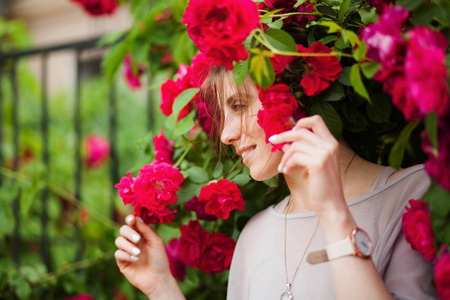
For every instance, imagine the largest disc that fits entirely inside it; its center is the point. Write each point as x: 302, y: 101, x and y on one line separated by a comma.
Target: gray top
x: 257, y: 270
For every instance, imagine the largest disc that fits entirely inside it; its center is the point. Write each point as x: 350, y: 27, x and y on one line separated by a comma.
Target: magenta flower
x: 81, y: 297
x: 199, y: 209
x: 442, y: 275
x: 126, y: 189
x: 98, y: 7
x: 97, y: 150
x: 132, y: 75
x: 177, y: 267
x: 288, y: 7
x: 163, y: 148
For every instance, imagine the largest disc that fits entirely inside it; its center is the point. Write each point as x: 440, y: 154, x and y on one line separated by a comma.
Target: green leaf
x: 261, y: 71
x: 360, y: 52
x: 431, y: 126
x: 328, y: 39
x: 380, y: 109
x: 311, y: 38
x: 183, y: 126
x: 327, y: 11
x: 370, y: 68
x: 425, y: 13
x: 269, y: 14
x: 187, y: 192
x: 343, y: 9
x: 398, y: 150
x: 344, y: 77
x: 334, y: 92
x: 278, y: 24
x: 241, y: 179
x: 198, y: 175
x: 113, y: 59
x: 182, y: 100
x: 410, y: 4
x: 240, y: 71
x: 110, y: 38
x: 280, y: 40
x: 355, y: 79
x: 332, y: 26
x: 329, y: 115
x: 439, y: 200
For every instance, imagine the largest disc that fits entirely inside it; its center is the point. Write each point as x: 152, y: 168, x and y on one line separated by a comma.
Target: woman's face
x: 241, y: 129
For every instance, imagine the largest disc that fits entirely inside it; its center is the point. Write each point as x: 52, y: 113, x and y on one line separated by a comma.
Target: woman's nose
x: 231, y: 130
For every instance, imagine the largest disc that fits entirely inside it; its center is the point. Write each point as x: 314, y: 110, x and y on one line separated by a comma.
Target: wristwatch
x: 357, y: 244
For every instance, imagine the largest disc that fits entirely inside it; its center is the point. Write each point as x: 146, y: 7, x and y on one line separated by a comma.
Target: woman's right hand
x: 142, y: 258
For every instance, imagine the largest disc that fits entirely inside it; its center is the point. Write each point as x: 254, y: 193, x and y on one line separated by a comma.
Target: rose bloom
x: 163, y: 148
x: 191, y: 242
x: 81, y: 297
x: 219, y: 28
x: 217, y: 253
x: 97, y: 150
x: 199, y: 209
x: 288, y: 7
x: 280, y: 62
x: 381, y: 5
x: 417, y: 228
x: 204, y: 117
x: 131, y: 77
x: 221, y: 197
x: 442, y: 276
x: 177, y: 267
x: 126, y: 189
x: 169, y: 92
x: 98, y: 7
x: 154, y: 189
x: 425, y: 72
x: 319, y: 70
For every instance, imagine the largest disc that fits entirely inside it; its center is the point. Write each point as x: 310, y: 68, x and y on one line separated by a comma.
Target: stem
x: 183, y: 156
x: 237, y: 163
x: 288, y: 53
x: 296, y: 14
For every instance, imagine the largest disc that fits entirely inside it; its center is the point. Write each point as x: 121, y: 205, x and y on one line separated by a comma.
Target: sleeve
x: 408, y: 275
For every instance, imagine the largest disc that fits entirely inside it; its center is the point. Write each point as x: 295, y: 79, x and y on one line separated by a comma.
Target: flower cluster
x: 210, y: 252
x: 163, y: 148
x: 98, y: 7
x: 412, y: 70
x: 152, y: 191
x: 97, y: 150
x: 219, y: 28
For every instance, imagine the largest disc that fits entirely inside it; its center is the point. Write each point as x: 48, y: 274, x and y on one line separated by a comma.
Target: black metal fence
x: 8, y: 69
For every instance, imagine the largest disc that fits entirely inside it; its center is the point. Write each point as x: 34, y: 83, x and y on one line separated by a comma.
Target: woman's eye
x: 237, y: 107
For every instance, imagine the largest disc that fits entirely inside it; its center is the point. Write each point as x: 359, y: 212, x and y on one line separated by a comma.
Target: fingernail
x: 129, y: 219
x: 284, y: 170
x: 140, y: 219
x: 280, y: 168
x: 135, y: 258
x: 293, y: 128
x: 135, y: 237
x: 135, y: 251
x: 273, y: 138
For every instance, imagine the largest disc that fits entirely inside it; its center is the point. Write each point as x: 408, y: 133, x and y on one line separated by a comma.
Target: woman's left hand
x: 311, y: 151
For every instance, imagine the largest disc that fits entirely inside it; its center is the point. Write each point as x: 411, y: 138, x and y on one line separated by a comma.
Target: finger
x: 130, y: 234
x: 130, y: 220
x: 122, y: 257
x: 148, y: 233
x: 296, y: 160
x: 297, y: 135
x: 125, y: 245
x: 315, y: 124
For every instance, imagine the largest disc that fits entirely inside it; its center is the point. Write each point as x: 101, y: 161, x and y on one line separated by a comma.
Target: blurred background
x: 67, y: 135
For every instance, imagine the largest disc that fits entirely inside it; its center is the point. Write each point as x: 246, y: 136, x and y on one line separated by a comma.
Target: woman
x: 333, y: 193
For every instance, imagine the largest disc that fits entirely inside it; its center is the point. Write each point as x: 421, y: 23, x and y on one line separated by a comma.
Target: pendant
x: 287, y: 295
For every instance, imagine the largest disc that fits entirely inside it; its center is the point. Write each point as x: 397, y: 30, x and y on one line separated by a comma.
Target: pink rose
x: 97, y: 150
x: 191, y: 242
x: 177, y: 267
x: 131, y: 76
x: 221, y: 197
x: 98, y: 7
x: 163, y: 148
x: 442, y: 276
x: 199, y: 209
x: 81, y: 297
x: 219, y: 28
x: 126, y: 189
x: 217, y: 253
x: 319, y: 71
x: 417, y: 228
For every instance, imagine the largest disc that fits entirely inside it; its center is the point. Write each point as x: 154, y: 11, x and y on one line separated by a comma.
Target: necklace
x: 287, y: 295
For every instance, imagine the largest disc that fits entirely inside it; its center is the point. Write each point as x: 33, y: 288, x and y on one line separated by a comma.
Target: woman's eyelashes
x: 238, y: 107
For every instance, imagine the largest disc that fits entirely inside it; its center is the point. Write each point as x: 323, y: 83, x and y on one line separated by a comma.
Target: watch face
x: 363, y: 243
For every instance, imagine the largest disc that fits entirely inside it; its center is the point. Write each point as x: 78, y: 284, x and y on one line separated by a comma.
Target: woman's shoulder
x: 417, y: 171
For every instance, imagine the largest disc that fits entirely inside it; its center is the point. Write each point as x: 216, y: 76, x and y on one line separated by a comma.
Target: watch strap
x: 341, y: 248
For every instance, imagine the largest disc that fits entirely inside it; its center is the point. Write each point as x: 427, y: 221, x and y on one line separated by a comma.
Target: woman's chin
x: 259, y: 175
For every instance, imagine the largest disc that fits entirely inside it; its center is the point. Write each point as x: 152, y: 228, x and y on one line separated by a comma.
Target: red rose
x: 177, y: 267
x: 160, y: 215
x: 126, y: 189
x: 221, y: 197
x: 319, y: 70
x: 98, y: 7
x: 191, y: 243
x: 442, y: 276
x: 279, y: 62
x: 275, y: 95
x: 97, y: 150
x: 163, y: 148
x: 205, y: 117
x: 417, y: 228
x: 81, y: 297
x: 169, y: 91
x: 288, y: 7
x: 217, y: 253
x: 131, y: 76
x: 219, y: 28
x: 199, y: 209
